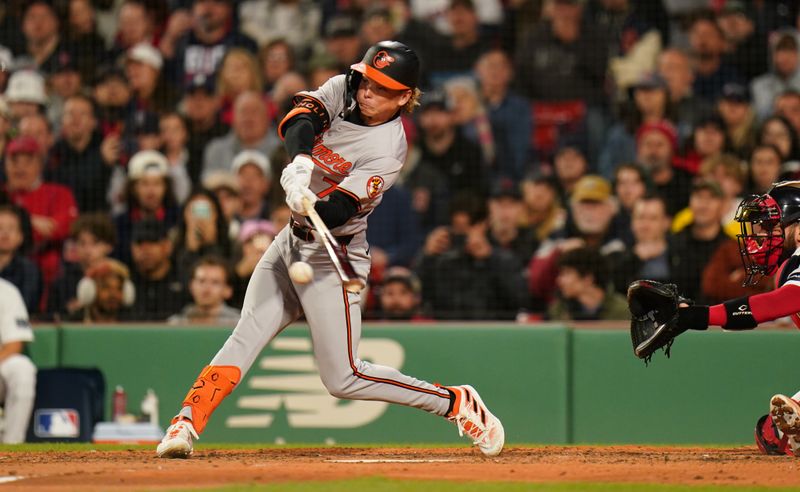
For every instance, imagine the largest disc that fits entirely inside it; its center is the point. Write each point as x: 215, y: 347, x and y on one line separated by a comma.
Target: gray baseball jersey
x: 362, y: 161
x: 17, y: 372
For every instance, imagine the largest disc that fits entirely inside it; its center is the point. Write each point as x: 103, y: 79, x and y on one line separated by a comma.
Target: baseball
x: 301, y: 272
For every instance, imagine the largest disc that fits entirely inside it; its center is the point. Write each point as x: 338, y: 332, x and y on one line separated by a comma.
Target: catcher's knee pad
x: 211, y: 387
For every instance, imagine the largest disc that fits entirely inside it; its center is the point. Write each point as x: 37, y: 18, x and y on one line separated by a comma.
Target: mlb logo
x: 56, y: 422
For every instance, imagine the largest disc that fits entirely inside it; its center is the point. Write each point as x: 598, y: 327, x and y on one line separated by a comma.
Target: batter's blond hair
x: 412, y: 103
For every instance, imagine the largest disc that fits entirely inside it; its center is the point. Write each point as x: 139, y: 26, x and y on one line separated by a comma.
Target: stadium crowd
x: 562, y: 148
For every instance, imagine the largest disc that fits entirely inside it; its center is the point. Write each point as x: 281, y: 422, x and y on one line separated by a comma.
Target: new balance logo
x: 292, y: 385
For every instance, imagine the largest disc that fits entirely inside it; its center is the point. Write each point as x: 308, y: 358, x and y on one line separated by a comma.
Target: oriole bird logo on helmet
x: 382, y: 60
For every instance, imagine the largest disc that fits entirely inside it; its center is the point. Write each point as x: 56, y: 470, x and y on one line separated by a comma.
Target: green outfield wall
x: 549, y: 384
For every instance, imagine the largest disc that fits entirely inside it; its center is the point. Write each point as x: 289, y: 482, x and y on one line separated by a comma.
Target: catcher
x: 770, y: 231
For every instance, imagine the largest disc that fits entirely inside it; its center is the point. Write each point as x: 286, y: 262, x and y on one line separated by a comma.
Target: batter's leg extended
x: 269, y: 306
x: 334, y: 316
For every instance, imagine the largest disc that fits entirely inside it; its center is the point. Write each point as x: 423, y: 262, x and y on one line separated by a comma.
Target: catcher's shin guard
x: 211, y: 387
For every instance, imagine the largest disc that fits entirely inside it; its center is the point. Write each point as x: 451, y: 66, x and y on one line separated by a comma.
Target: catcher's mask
x: 761, y: 239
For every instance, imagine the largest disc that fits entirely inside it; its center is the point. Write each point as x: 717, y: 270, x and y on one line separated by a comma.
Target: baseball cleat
x: 785, y: 412
x: 177, y: 443
x: 476, y: 421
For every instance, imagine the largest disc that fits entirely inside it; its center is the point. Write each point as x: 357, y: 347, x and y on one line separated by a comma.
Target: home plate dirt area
x: 138, y: 468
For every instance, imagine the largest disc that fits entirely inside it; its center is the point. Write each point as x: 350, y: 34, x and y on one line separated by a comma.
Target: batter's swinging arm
x: 343, y: 267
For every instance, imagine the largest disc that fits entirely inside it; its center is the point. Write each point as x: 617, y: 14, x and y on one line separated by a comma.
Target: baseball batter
x: 17, y: 372
x: 348, y: 145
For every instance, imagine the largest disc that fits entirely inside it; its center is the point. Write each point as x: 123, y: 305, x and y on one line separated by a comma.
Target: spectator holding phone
x: 203, y: 231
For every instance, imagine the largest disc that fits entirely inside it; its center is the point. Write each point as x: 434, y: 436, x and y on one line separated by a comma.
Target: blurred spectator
x: 254, y: 175
x: 592, y: 209
x: 511, y: 128
x: 736, y: 111
x: 559, y: 60
x: 255, y: 236
x: 648, y: 256
x: 543, y: 212
x: 175, y: 137
x: 93, y: 238
x: 784, y: 74
x: 631, y: 183
x: 226, y: 188
x: 777, y: 131
x: 463, y: 276
x: 40, y: 26
x: 105, y: 293
x: 746, y: 46
x: 707, y: 46
x: 148, y: 194
x: 399, y: 296
x: 570, y: 166
x: 251, y: 130
x: 583, y: 290
x: 728, y: 172
x: 378, y: 24
x: 14, y: 266
x: 51, y: 206
x: 321, y: 67
x: 709, y: 139
x: 135, y: 25
x: 692, y: 248
x: 143, y: 66
x: 649, y: 103
x: 87, y: 44
x: 210, y: 287
x: 448, y: 163
x: 146, y: 132
x: 787, y: 105
x: 17, y: 372
x: 25, y: 94
x: 633, y: 36
x: 63, y: 81
x: 38, y: 127
x: 276, y: 58
x: 342, y: 41
x: 82, y: 159
x: 675, y: 67
x: 463, y: 46
x: 238, y: 73
x: 656, y: 144
x: 506, y: 222
x: 194, y: 43
x: 296, y: 21
x: 159, y: 290
x: 470, y: 115
x: 5, y: 127
x: 765, y: 168
x: 201, y: 106
x: 113, y: 96
x: 202, y: 231
x: 394, y: 233
x: 6, y: 59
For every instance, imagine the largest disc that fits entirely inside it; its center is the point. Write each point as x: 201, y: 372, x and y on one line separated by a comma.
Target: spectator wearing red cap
x: 656, y: 147
x: 51, y: 206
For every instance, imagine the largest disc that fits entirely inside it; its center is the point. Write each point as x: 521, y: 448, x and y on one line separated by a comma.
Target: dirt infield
x: 138, y: 469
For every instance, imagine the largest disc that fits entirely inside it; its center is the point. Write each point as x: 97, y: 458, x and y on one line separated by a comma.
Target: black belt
x: 307, y: 234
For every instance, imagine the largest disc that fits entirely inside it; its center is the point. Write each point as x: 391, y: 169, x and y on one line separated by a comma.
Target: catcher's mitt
x: 654, y: 316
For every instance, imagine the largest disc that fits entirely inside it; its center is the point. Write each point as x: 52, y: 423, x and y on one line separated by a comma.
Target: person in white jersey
x: 17, y: 372
x: 347, y: 143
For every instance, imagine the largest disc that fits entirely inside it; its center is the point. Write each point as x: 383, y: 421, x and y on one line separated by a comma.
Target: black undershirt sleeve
x: 339, y: 208
x: 299, y: 135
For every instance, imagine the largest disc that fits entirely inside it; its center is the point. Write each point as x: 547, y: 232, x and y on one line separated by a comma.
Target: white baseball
x: 301, y: 272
